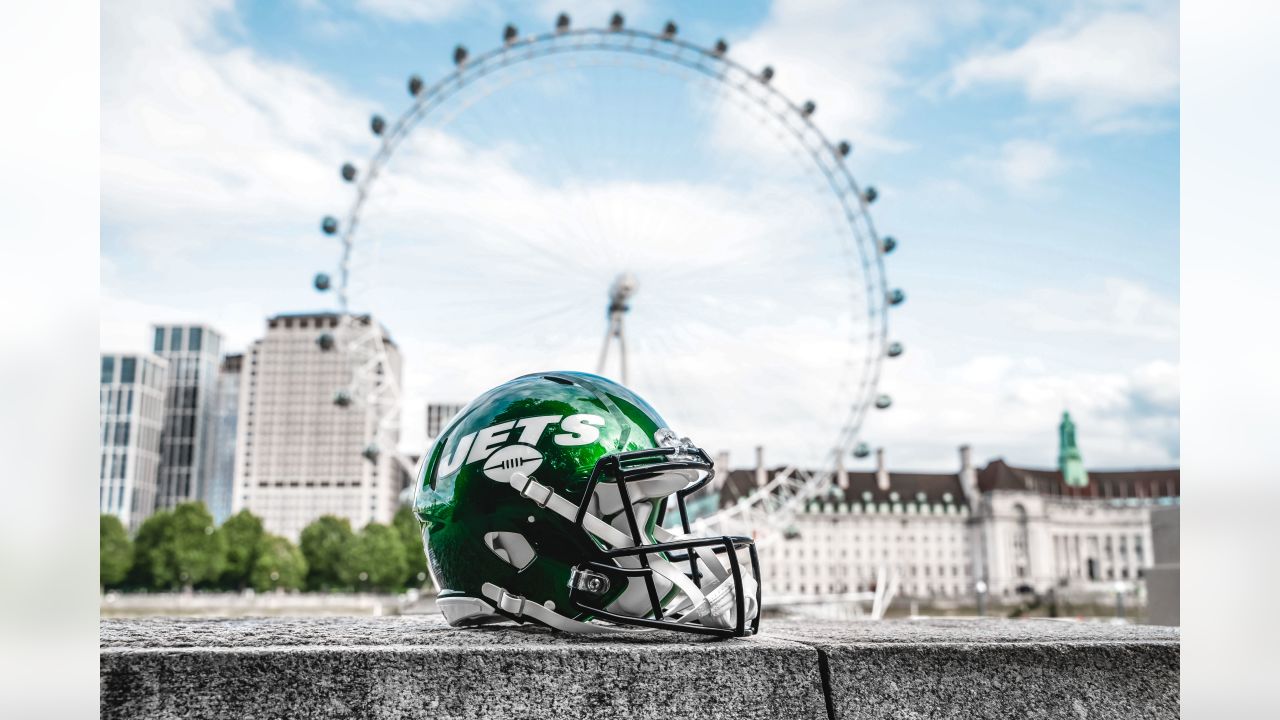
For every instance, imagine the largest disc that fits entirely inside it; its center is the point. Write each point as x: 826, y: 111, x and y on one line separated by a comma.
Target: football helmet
x: 543, y: 502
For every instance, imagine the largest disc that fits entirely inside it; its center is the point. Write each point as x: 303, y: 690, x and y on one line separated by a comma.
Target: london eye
x: 627, y: 202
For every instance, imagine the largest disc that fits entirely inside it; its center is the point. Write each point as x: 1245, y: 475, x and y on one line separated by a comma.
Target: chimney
x: 882, y: 473
x: 842, y: 477
x: 762, y: 477
x: 722, y: 470
x: 968, y: 475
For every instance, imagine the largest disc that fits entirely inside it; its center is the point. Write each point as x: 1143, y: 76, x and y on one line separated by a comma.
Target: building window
x: 159, y: 341
x: 108, y: 368
x: 193, y: 339
x: 175, y: 339
x: 128, y: 369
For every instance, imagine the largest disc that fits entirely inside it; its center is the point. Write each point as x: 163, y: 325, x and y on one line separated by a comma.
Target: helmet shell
x: 552, y: 426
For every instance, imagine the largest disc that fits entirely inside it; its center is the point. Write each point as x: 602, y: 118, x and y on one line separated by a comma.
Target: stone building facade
x: 1001, y: 530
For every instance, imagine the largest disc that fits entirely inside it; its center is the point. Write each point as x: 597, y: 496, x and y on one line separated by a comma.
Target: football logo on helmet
x: 512, y: 459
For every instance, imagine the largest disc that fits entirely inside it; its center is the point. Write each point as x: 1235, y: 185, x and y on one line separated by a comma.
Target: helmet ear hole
x: 511, y: 548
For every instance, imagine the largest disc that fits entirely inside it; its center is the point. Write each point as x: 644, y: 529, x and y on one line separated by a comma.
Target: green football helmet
x: 543, y: 502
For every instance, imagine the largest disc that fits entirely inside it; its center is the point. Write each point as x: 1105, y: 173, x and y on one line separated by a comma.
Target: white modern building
x: 300, y: 454
x: 221, y: 484
x: 186, y: 457
x: 131, y: 413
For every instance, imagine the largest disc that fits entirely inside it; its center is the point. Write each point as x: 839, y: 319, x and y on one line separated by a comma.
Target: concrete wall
x: 417, y: 667
x: 1163, y: 578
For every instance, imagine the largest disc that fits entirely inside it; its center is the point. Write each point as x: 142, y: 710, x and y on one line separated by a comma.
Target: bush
x: 278, y: 564
x: 323, y: 544
x: 410, y: 532
x: 115, y: 552
x: 244, y: 539
x: 376, y: 561
x: 178, y: 549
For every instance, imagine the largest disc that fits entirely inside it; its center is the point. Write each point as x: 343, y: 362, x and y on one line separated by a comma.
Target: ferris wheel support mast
x: 619, y: 296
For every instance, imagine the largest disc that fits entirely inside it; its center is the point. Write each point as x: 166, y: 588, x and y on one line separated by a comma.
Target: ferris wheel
x: 613, y: 169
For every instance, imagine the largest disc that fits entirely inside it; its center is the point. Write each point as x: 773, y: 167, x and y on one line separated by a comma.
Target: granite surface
x: 415, y: 666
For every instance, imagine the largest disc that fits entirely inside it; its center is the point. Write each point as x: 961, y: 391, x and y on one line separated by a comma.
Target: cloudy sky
x: 1026, y: 157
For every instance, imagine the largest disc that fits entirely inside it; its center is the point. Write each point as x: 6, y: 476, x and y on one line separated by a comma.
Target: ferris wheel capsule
x: 321, y: 282
x: 883, y: 402
x: 844, y: 148
x: 329, y: 224
x: 616, y: 22
x: 415, y: 85
x: 377, y: 124
x: 348, y: 172
x: 371, y: 453
x: 669, y: 30
x: 896, y: 296
x: 325, y: 341
x: 510, y: 34
x: 459, y: 55
x: 895, y: 349
x: 342, y: 398
x: 562, y: 23
x: 721, y: 48
x: 870, y: 194
x: 808, y: 108
x: 766, y: 74
x: 861, y: 451
x: 888, y: 244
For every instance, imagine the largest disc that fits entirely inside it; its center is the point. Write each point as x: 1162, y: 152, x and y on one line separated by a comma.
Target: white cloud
x: 203, y: 141
x: 1107, y: 351
x: 415, y: 10
x: 847, y: 57
x: 1025, y: 164
x: 1105, y: 67
x: 1009, y: 406
x: 1119, y: 309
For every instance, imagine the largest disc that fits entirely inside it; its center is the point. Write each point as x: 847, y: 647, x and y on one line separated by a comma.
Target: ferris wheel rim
x: 715, y: 64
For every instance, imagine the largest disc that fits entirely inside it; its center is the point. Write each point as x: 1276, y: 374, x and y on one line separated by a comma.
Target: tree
x: 278, y: 564
x: 115, y: 553
x: 244, y: 537
x: 179, y: 548
x: 323, y: 544
x: 376, y: 561
x: 410, y: 532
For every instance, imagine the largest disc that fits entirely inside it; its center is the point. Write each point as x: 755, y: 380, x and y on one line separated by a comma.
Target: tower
x: 186, y: 452
x: 1069, y: 460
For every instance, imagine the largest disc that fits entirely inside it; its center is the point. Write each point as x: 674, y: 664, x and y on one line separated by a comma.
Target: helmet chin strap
x: 520, y: 607
x: 712, y: 603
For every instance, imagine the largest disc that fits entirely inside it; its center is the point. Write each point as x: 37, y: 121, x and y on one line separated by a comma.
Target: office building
x: 438, y: 417
x: 226, y: 413
x: 186, y: 456
x: 131, y: 411
x: 299, y: 454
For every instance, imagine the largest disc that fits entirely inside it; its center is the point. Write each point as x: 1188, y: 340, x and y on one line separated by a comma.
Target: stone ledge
x: 418, y: 667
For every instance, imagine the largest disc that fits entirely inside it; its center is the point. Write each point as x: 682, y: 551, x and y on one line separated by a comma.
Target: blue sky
x: 1027, y: 158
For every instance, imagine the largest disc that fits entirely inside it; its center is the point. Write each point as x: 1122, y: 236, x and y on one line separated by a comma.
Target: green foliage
x: 277, y: 564
x: 410, y: 532
x: 376, y: 561
x: 323, y: 543
x: 244, y: 537
x: 115, y: 553
x: 179, y: 548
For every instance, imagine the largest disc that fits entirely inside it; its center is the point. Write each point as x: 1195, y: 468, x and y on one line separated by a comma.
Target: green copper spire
x: 1069, y: 460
